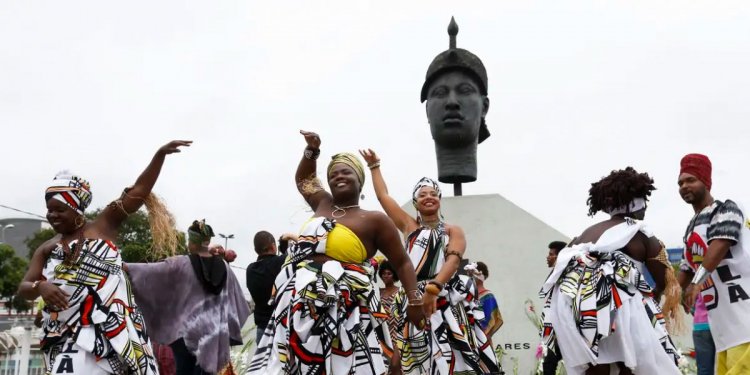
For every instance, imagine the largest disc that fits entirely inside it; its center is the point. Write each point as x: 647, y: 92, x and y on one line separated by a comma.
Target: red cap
x: 699, y: 166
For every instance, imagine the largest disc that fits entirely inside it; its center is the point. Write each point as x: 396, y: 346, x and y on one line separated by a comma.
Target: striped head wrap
x: 200, y: 232
x: 70, y: 189
x: 425, y: 182
x: 350, y: 160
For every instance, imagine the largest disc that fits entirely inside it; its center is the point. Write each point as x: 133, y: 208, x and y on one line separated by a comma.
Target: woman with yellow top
x: 453, y: 341
x: 326, y: 319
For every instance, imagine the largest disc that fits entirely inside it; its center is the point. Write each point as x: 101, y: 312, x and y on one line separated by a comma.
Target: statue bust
x: 455, y: 89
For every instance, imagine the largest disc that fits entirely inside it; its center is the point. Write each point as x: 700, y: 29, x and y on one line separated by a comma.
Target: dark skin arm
x: 404, y: 222
x: 717, y: 250
x: 52, y: 295
x: 38, y: 319
x: 387, y: 239
x: 452, y: 262
x: 308, y: 168
x: 112, y: 216
x: 684, y: 277
x: 657, y: 269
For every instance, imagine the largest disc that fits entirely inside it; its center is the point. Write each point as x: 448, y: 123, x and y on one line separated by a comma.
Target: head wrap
x: 472, y: 270
x: 350, y: 160
x: 425, y: 181
x: 200, y: 233
x: 636, y: 204
x: 70, y: 189
x: 699, y: 166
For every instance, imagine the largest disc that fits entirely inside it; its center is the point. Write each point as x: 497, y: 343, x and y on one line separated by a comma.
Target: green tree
x: 20, y: 304
x: 40, y: 237
x: 12, y: 269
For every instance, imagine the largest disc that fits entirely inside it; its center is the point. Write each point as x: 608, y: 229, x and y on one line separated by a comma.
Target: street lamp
x: 4, y: 227
x: 226, y: 239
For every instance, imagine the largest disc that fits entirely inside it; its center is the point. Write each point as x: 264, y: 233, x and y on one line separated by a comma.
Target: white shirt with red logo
x: 726, y: 293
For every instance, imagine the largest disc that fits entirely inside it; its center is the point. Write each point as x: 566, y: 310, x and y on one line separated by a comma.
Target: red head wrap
x: 699, y: 166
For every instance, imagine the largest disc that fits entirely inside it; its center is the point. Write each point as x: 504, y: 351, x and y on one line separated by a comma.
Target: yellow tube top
x: 344, y: 245
x: 341, y: 243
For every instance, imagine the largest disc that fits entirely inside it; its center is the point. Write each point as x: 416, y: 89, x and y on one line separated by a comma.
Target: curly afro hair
x: 619, y: 189
x: 386, y: 265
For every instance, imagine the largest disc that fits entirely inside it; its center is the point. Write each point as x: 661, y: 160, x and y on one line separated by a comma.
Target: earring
x: 80, y: 223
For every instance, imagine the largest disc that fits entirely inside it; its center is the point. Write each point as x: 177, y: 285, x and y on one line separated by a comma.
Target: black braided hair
x: 619, y: 189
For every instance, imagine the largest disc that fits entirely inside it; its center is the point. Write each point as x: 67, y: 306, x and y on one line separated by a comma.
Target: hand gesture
x: 53, y: 296
x: 370, y: 156
x: 312, y: 139
x: 173, y: 147
x: 415, y: 314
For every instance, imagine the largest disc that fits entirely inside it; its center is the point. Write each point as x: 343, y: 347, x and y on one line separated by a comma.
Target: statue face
x: 455, y: 108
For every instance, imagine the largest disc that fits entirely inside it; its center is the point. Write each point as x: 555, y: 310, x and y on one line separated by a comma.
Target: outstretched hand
x: 173, y: 147
x: 312, y: 139
x: 370, y: 156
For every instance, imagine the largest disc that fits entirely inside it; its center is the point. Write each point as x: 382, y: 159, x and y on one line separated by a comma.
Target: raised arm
x: 133, y: 198
x: 307, y: 182
x: 389, y: 243
x: 453, y: 255
x: 401, y: 218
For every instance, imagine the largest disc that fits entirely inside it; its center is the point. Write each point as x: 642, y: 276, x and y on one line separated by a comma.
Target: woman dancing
x: 599, y: 306
x: 91, y: 323
x: 454, y: 341
x: 326, y: 314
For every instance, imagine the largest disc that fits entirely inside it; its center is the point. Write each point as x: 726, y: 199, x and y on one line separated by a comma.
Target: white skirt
x: 634, y: 342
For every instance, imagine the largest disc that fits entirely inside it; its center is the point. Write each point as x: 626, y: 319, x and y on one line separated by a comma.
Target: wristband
x: 312, y: 153
x: 700, y: 276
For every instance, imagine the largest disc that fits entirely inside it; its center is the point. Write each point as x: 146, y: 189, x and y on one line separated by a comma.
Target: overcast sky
x: 576, y: 88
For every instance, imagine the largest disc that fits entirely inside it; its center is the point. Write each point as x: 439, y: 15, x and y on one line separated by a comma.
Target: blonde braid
x: 672, y: 307
x: 165, y: 239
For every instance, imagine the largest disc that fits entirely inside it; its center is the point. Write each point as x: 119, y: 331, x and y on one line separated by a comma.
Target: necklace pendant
x: 338, y: 210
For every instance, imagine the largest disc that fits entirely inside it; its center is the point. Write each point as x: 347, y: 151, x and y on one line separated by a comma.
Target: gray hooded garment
x: 175, y: 305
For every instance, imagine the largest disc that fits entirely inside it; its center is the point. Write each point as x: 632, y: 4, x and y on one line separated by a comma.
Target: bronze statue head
x: 455, y: 89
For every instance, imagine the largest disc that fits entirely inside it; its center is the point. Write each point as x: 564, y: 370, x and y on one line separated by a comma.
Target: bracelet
x: 374, y: 165
x: 415, y: 297
x: 700, y: 276
x: 312, y: 153
x: 35, y: 284
x: 454, y: 252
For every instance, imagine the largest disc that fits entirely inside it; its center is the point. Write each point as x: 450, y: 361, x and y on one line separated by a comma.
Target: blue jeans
x: 705, y: 352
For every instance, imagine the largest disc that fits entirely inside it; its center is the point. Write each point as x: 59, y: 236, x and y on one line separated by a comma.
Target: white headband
x: 636, y: 204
